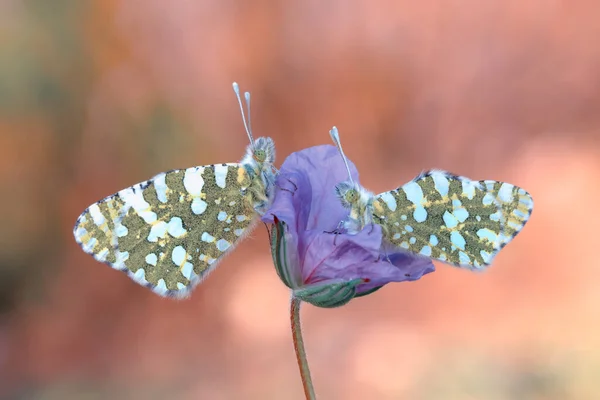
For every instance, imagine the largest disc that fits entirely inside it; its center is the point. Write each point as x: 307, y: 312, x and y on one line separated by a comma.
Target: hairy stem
x: 309, y: 392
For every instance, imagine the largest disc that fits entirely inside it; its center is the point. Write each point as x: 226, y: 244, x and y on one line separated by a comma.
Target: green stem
x: 309, y: 392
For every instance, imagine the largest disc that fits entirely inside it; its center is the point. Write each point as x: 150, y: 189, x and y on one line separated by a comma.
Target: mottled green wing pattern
x: 169, y: 232
x: 444, y: 217
x: 516, y: 205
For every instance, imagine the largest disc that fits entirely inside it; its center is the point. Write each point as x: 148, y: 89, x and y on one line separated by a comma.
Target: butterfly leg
x: 372, y: 227
x: 337, y: 231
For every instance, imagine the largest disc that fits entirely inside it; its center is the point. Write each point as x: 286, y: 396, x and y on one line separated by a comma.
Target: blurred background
x: 96, y: 95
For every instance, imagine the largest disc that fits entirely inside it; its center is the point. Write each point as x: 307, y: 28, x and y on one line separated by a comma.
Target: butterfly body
x: 360, y: 203
x: 260, y: 181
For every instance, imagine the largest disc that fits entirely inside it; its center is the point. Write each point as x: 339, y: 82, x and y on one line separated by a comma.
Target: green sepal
x: 279, y: 252
x: 328, y: 294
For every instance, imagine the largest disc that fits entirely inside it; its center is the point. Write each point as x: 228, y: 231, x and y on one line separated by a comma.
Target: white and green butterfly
x: 169, y: 232
x: 439, y: 215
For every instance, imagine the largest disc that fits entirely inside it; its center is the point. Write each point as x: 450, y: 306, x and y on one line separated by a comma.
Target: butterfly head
x: 349, y: 194
x: 352, y: 196
x: 263, y: 151
x: 260, y: 153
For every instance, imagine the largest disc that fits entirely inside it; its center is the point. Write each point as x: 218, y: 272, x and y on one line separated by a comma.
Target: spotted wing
x: 516, y: 205
x: 445, y: 217
x: 169, y: 233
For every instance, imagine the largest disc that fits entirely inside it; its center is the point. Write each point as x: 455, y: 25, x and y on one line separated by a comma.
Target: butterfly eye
x: 352, y: 196
x: 260, y: 155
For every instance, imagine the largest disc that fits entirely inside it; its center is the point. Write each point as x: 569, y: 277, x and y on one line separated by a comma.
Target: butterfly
x: 439, y: 215
x: 169, y: 232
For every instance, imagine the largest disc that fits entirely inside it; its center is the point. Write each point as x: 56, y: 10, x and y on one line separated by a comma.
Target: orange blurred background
x: 97, y: 95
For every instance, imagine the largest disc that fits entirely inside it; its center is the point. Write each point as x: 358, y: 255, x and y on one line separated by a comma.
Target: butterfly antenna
x: 236, y: 89
x: 335, y: 136
x: 247, y: 98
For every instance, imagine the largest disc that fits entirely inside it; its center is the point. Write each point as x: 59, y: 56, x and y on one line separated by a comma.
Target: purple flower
x: 322, y: 268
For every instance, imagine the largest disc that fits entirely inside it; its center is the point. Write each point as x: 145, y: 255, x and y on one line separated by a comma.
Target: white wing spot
x: 207, y: 237
x: 133, y: 197
x: 96, y: 214
x: 187, y: 270
x: 468, y: 187
x: 450, y: 220
x: 413, y: 192
x: 121, y: 230
x: 487, y: 199
x: 420, y: 214
x: 519, y: 214
x: 487, y: 234
x: 222, y: 216
x: 238, y: 232
x: 89, y: 246
x: 158, y: 230
x: 497, y: 216
x: 505, y: 192
x: 151, y: 259
x: 140, y: 276
x: 463, y: 258
x: 389, y: 200
x: 441, y: 183
x: 221, y: 175
x: 179, y: 256
x: 457, y: 240
x: 223, y: 244
x: 433, y: 240
x: 176, y: 228
x: 198, y: 206
x: 121, y: 257
x: 426, y: 251
x: 101, y: 256
x: 461, y: 214
x: 160, y: 185
x: 161, y: 286
x: 193, y: 181
x: 487, y: 257
x: 80, y: 232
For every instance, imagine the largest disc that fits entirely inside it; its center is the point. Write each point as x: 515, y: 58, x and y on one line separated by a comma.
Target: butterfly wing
x: 170, y: 232
x: 516, y: 205
x: 451, y: 218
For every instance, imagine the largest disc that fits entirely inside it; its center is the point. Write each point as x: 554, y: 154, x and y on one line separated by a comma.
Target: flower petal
x: 306, y: 210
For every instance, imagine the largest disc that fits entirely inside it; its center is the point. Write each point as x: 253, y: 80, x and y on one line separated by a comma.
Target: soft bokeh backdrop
x: 96, y: 95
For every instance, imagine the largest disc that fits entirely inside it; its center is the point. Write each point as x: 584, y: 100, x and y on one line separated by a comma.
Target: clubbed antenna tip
x: 247, y: 126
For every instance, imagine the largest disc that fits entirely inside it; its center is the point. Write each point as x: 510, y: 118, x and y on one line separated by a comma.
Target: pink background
x: 99, y: 95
